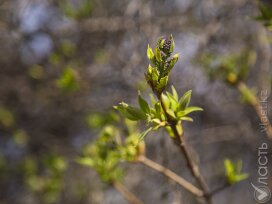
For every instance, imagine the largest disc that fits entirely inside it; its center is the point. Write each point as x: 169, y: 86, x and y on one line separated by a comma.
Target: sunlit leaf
x: 185, y: 100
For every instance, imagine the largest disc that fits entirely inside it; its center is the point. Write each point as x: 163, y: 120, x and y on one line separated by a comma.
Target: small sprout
x: 168, y: 108
x: 149, y: 53
x: 178, y: 110
x: 157, y: 76
x: 185, y: 100
x: 233, y: 172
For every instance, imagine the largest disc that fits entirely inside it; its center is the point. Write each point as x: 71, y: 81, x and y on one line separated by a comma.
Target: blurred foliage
x: 101, y: 57
x: 3, y: 165
x: 6, y: 117
x: 45, y: 178
x: 36, y: 71
x: 265, y: 15
x: 98, y: 120
x: 68, y: 80
x: 110, y: 149
x: 233, y: 171
x: 231, y: 69
x: 76, y: 9
x: 20, y: 137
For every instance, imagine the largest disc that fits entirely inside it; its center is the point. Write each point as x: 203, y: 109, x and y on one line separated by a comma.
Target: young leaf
x: 171, y: 114
x: 155, y: 75
x: 233, y: 173
x: 163, y: 82
x: 187, y: 119
x: 172, y: 47
x: 143, y: 104
x: 173, y: 61
x: 149, y: 53
x: 149, y: 69
x: 158, y: 54
x: 185, y: 100
x: 174, y: 92
x: 229, y: 167
x: 131, y: 112
x: 192, y: 109
x: 173, y: 102
x: 170, y: 131
x: 165, y: 101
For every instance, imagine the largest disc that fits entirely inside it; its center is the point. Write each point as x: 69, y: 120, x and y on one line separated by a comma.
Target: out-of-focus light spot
x: 36, y: 49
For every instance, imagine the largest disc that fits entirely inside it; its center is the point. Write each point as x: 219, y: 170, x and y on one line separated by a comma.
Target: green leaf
x: 149, y: 53
x: 155, y: 75
x: 192, y: 109
x: 170, y: 131
x: 174, y: 92
x: 161, y: 43
x: 172, y: 44
x: 145, y: 133
x: 131, y: 112
x: 173, y: 102
x: 156, y: 121
x: 173, y: 61
x: 158, y: 107
x: 240, y: 177
x: 233, y: 173
x: 229, y: 167
x: 171, y: 114
x: 185, y: 100
x: 187, y: 119
x: 163, y: 82
x: 165, y: 101
x: 158, y: 54
x: 149, y: 69
x: 143, y: 104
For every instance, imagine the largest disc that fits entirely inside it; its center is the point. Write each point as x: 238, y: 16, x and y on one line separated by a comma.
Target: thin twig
x: 170, y: 174
x: 255, y: 103
x: 129, y: 196
x: 191, y: 164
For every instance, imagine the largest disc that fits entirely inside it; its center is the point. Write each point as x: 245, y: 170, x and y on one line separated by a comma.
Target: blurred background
x: 64, y: 64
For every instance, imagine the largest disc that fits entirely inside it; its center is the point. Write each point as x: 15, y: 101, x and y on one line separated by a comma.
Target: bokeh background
x: 64, y: 64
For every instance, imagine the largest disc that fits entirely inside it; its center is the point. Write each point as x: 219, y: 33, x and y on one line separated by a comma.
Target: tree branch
x: 255, y: 103
x: 191, y: 164
x: 170, y: 174
x: 130, y: 197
